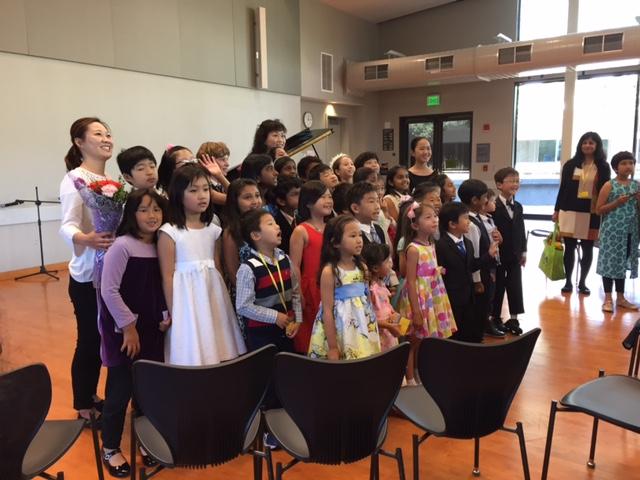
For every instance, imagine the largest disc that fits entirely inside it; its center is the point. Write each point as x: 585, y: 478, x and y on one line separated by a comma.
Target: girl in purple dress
x: 133, y: 316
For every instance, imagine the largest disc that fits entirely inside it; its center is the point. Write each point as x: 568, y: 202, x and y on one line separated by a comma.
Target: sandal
x: 607, y: 306
x: 624, y: 303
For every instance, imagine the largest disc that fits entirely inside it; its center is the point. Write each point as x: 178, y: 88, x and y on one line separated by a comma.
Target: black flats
x: 583, y: 290
x: 121, y: 471
x: 568, y: 288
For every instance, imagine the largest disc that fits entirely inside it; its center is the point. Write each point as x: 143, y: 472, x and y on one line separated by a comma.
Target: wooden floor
x: 37, y: 325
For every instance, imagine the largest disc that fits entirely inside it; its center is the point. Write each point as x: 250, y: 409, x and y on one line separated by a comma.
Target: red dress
x: 309, y: 287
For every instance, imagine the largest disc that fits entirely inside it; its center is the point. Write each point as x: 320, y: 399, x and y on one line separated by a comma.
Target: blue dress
x: 619, y: 235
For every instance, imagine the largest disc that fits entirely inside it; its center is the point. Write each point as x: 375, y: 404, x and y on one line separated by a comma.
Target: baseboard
x: 11, y: 274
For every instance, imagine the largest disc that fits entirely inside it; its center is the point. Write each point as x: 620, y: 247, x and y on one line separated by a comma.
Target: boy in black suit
x: 455, y: 254
x: 473, y: 193
x: 509, y: 220
x: 286, y: 193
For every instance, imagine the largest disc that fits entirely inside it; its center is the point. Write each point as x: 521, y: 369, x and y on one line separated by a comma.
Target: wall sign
x: 387, y: 139
x: 483, y: 152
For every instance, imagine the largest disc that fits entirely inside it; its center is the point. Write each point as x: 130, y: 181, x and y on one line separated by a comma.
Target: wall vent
x: 326, y: 72
x: 602, y: 43
x: 520, y: 54
x: 376, y: 72
x: 437, y: 64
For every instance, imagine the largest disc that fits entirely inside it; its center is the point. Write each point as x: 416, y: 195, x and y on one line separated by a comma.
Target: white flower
x: 109, y: 190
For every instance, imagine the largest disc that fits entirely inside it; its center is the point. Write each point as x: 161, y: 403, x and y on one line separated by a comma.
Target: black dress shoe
x: 497, y: 323
x: 99, y: 405
x: 492, y: 331
x: 147, y: 460
x: 121, y: 471
x: 514, y: 326
x: 583, y: 290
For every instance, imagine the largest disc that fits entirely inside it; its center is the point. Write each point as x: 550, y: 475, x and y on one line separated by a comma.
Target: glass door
x: 450, y: 138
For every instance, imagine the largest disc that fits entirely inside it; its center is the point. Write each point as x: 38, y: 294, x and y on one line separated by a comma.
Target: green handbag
x: 551, y: 261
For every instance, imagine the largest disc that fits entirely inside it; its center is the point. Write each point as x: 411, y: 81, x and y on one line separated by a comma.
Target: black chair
x: 199, y: 416
x: 613, y: 399
x: 336, y: 412
x: 29, y: 444
x: 461, y: 396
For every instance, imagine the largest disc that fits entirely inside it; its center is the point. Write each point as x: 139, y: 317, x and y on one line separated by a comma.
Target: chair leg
x: 279, y: 471
x: 257, y: 467
x: 592, y: 452
x: 476, y: 457
x: 547, y: 448
x: 133, y: 446
x: 416, y: 460
x: 60, y: 476
x: 374, y: 470
x: 400, y: 461
x: 96, y: 445
x: 523, y: 451
x: 269, y: 461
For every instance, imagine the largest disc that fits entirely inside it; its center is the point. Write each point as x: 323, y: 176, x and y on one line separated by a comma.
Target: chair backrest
x: 472, y: 384
x: 340, y: 407
x: 203, y: 413
x: 25, y: 397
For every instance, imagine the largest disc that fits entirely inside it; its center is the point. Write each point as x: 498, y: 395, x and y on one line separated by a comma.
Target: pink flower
x: 109, y: 190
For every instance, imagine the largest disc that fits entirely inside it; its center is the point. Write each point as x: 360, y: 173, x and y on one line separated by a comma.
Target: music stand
x: 43, y: 270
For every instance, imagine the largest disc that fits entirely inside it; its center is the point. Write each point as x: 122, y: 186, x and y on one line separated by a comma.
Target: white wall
x: 40, y: 98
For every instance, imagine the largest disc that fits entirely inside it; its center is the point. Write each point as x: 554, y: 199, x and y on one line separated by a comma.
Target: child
x: 343, y: 167
x: 259, y: 167
x: 473, y: 194
x: 378, y: 260
x: 243, y: 195
x: 345, y: 327
x: 131, y: 320
x: 509, y: 220
x: 324, y: 173
x: 314, y: 206
x: 447, y: 188
x: 138, y: 167
x: 423, y: 298
x: 369, y: 160
x: 364, y: 204
x: 339, y: 194
x: 214, y: 156
x: 174, y: 156
x: 286, y: 194
x: 204, y: 329
x: 286, y: 167
x: 267, y: 292
x: 396, y: 187
x: 305, y: 165
x: 617, y: 203
x: 455, y: 255
x: 365, y: 174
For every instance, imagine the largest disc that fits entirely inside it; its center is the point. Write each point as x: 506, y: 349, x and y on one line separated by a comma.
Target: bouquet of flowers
x: 105, y: 199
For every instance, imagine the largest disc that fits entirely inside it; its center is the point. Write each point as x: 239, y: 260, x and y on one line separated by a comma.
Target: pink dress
x: 382, y: 308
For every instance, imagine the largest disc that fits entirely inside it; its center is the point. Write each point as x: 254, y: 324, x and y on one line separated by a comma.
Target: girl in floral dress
x: 424, y: 298
x: 345, y: 327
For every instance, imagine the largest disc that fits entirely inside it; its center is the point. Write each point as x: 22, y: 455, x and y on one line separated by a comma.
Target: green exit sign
x: 433, y: 100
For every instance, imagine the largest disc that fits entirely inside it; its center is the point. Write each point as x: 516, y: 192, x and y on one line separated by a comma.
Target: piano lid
x: 305, y: 139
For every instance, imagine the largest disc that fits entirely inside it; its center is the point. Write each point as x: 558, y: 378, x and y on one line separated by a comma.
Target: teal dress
x: 619, y: 235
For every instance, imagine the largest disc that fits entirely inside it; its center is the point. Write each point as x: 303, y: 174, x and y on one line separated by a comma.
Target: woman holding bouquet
x: 91, y: 147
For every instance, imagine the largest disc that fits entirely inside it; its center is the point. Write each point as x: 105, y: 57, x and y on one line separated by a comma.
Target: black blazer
x: 458, y: 269
x: 567, y: 198
x: 286, y: 230
x: 514, y: 237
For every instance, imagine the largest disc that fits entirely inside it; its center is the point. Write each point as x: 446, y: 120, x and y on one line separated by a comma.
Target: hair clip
x: 169, y: 147
x: 411, y: 213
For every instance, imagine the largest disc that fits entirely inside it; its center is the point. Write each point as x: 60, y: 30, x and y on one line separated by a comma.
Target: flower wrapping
x: 105, y: 199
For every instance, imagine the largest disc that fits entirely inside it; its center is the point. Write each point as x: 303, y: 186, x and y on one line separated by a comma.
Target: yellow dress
x: 356, y: 325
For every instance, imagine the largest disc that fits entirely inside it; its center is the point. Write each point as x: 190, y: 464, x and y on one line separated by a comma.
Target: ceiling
x: 377, y: 11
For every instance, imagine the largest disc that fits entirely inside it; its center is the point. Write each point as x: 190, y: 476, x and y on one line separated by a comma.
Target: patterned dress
x: 432, y: 297
x: 382, y: 308
x: 619, y: 235
x: 356, y: 326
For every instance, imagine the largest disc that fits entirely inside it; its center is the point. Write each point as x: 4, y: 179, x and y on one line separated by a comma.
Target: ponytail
x: 73, y: 159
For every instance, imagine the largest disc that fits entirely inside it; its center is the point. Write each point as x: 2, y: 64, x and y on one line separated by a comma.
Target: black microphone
x: 10, y: 204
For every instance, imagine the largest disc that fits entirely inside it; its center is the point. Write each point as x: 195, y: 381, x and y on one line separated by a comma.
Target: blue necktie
x: 460, y: 246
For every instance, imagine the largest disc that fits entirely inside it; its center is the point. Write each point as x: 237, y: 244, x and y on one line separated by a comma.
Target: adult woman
x: 91, y: 147
x: 582, y: 178
x: 420, y: 171
x: 270, y: 134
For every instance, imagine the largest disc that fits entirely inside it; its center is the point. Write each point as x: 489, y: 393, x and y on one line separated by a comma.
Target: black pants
x: 85, y: 367
x: 258, y: 337
x: 119, y: 387
x: 509, y: 280
x: 570, y: 245
x: 469, y: 323
x: 607, y: 283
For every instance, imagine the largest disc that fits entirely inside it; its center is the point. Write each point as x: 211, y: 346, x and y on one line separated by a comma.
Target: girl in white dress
x: 204, y: 330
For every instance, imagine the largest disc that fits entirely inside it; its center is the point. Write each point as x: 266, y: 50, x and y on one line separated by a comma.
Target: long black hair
x: 310, y: 193
x: 180, y: 181
x: 389, y: 189
x: 232, y: 213
x: 167, y: 166
x: 129, y: 224
x: 263, y: 131
x: 330, y: 255
x: 599, y: 156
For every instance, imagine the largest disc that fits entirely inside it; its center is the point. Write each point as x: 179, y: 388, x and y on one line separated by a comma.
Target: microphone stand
x: 43, y: 270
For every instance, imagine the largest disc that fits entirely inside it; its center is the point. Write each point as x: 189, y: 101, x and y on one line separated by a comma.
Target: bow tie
x: 510, y: 204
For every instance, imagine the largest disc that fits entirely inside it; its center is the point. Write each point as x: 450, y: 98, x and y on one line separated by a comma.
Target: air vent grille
x: 520, y: 54
x: 376, y: 72
x: 326, y: 72
x: 602, y: 43
x: 438, y: 64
